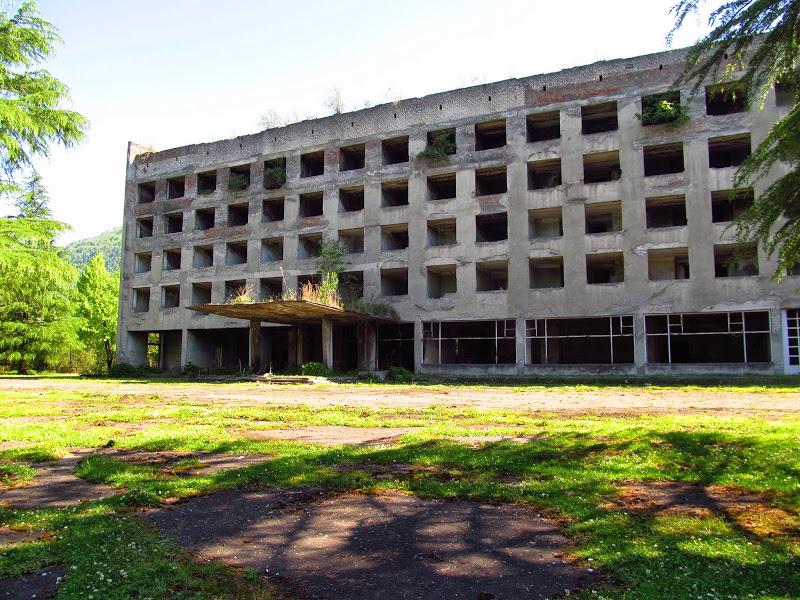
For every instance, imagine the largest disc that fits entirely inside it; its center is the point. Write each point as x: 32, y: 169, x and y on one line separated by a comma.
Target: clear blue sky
x: 176, y: 72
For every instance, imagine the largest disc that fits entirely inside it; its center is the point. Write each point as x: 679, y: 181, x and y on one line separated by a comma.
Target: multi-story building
x: 574, y: 228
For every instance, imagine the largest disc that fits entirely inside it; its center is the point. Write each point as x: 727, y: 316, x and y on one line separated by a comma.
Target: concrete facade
x: 564, y: 235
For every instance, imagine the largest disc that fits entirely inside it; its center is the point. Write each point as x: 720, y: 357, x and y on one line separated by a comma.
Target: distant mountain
x: 109, y: 243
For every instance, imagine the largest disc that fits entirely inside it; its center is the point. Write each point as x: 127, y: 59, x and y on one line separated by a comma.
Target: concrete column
x: 292, y: 350
x: 367, y: 346
x: 327, y: 342
x: 418, y: 345
x: 255, y: 346
x: 301, y: 341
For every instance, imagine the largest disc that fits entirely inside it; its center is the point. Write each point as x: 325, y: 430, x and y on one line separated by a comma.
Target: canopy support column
x: 327, y: 342
x: 255, y: 346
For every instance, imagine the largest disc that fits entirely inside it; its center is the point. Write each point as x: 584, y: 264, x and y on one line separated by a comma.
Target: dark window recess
x: 352, y: 240
x: 201, y: 294
x: 545, y: 223
x: 308, y: 245
x: 306, y: 280
x: 598, y: 118
x: 544, y: 174
x: 491, y: 181
x: 237, y: 215
x: 142, y: 262
x: 352, y: 157
x: 491, y: 134
x: 441, y: 280
x: 351, y: 285
x: 144, y: 227
x: 601, y: 166
x: 727, y: 205
x: 394, y: 237
x: 173, y: 223
x: 171, y: 296
x: 491, y: 228
x: 735, y: 260
x: 272, y: 210
x: 351, y: 199
x: 786, y: 94
x: 203, y: 257
x: 546, y: 273
x: 725, y: 99
x: 658, y: 109
x: 728, y: 151
x: 394, y: 282
x: 396, y: 345
x: 469, y: 342
x: 312, y: 164
x: 665, y: 211
x: 146, y: 193
x: 272, y: 249
x: 446, y: 141
x: 543, y: 126
x: 395, y: 150
x: 239, y: 178
x: 235, y: 289
x: 310, y: 205
x: 442, y: 187
x: 663, y: 159
x: 603, y: 217
x: 442, y: 232
x: 589, y: 340
x: 271, y: 288
x: 141, y: 300
x: 206, y: 182
x: 172, y: 259
x: 176, y: 187
x: 236, y: 253
x: 491, y: 275
x: 394, y: 193
x: 274, y: 173
x: 204, y: 219
x: 605, y: 268
x: 666, y: 264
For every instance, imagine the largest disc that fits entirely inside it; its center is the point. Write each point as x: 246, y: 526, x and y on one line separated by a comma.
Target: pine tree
x: 96, y: 307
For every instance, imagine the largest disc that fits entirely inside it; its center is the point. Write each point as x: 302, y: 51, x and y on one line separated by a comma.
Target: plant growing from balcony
x: 439, y: 148
x: 238, y: 182
x: 663, y: 111
x: 274, y: 177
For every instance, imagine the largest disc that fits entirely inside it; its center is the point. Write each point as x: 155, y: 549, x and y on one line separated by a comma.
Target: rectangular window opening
x: 236, y: 253
x: 171, y: 296
x: 394, y: 193
x: 735, y: 260
x: 395, y: 150
x: 443, y: 139
x: 141, y: 300
x: 663, y: 159
x: 173, y: 223
x: 603, y: 217
x: 442, y: 232
x: 786, y: 94
x: 203, y: 257
x: 272, y: 210
x: 543, y: 126
x: 599, y: 118
x: 311, y: 205
x: 271, y: 288
x: 394, y: 282
x: 665, y: 211
x: 469, y: 342
x: 312, y: 164
x: 658, y: 109
x: 351, y: 286
x: 442, y: 187
x: 144, y: 227
x: 491, y: 275
x: 234, y: 289
x: 352, y: 158
x: 727, y: 205
x: 239, y: 178
x: 272, y: 249
x: 146, y: 193
x: 351, y: 199
x: 492, y: 180
x: 204, y: 219
x: 441, y: 280
x: 206, y: 183
x: 667, y: 264
x: 274, y: 173
x: 172, y: 259
x: 544, y: 174
x: 545, y: 223
x: 238, y: 215
x: 546, y: 273
x: 491, y: 228
x: 601, y: 166
x: 309, y: 245
x: 725, y: 99
x: 142, y: 262
x: 201, y: 293
x: 606, y: 267
x: 176, y: 187
x: 579, y: 341
x: 728, y: 151
x: 489, y: 135
x: 394, y: 237
x: 352, y: 240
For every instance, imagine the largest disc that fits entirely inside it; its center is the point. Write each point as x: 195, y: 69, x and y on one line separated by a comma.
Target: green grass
x: 571, y: 470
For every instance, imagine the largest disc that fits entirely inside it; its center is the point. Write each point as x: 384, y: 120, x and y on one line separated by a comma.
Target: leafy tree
x: 761, y: 38
x: 32, y: 202
x: 96, y: 307
x: 109, y: 244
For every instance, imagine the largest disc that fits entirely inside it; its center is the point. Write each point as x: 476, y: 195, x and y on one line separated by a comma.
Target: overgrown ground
x: 664, y: 490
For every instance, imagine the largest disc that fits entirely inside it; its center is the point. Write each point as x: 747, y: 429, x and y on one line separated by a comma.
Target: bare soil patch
x: 42, y: 584
x: 194, y: 463
x: 333, y: 435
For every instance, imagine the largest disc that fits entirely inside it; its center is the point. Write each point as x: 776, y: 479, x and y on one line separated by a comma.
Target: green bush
x: 315, y: 369
x: 400, y: 375
x: 238, y: 182
x: 439, y: 149
x: 274, y: 177
x: 124, y: 370
x: 190, y: 370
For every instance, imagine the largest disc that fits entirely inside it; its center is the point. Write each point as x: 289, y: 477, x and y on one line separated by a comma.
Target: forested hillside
x: 109, y: 243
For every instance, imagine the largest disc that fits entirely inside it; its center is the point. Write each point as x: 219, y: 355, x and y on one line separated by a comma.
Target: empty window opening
x: 469, y: 342
x: 204, y: 219
x: 201, y: 294
x: 786, y: 93
x: 274, y: 173
x: 239, y: 178
x: 235, y: 289
x: 442, y: 232
x: 735, y: 260
x: 395, y: 150
x: 394, y: 193
x: 587, y: 340
x: 544, y: 174
x: 352, y: 157
x: 141, y: 300
x: 351, y: 199
x: 272, y: 210
x: 658, y: 109
x: 725, y: 99
x: 173, y: 223
x: 272, y: 249
x: 351, y: 286
x: 663, y: 159
x: 545, y: 223
x: 543, y: 126
x: 491, y: 228
x: 307, y: 280
x: 607, y: 267
x: 546, y: 273
x: 599, y: 118
x: 491, y: 134
x: 394, y: 282
x: 442, y: 187
x: 236, y: 253
x: 491, y: 181
x: 601, y: 166
x: 312, y: 164
x: 441, y: 142
x: 728, y: 151
x: 352, y: 240
x: 271, y: 288
x: 396, y: 345
x: 144, y: 227
x: 176, y: 187
x: 665, y: 211
x: 238, y: 215
x: 206, y: 183
x: 666, y: 264
x: 172, y: 259
x: 441, y: 280
x: 727, y: 337
x: 142, y: 262
x: 394, y: 237
x: 171, y: 296
x: 203, y: 257
x: 309, y: 245
x: 310, y: 205
x: 491, y: 275
x: 147, y: 193
x: 603, y: 217
x: 727, y: 205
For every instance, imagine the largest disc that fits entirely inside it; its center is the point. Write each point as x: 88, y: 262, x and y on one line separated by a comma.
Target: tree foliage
x: 109, y: 244
x: 96, y: 307
x: 761, y: 37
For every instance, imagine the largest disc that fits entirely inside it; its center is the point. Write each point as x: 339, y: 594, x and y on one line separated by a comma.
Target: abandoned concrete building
x: 569, y: 228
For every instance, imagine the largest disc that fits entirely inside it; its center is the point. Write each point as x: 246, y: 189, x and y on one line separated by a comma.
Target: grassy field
x: 576, y: 470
